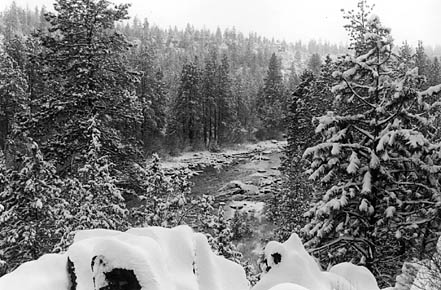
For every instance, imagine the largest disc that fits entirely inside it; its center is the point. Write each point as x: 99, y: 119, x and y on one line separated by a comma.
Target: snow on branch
x: 430, y: 91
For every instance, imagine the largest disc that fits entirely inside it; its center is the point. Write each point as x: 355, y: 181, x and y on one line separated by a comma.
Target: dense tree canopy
x: 379, y: 164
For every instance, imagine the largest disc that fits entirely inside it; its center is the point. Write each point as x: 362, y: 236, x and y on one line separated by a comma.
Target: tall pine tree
x: 85, y: 75
x: 187, y: 113
x: 380, y: 166
x: 272, y: 100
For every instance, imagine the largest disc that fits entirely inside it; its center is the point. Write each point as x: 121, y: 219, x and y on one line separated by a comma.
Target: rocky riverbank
x: 240, y: 180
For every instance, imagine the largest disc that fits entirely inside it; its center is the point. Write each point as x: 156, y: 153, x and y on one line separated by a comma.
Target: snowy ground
x: 202, y: 159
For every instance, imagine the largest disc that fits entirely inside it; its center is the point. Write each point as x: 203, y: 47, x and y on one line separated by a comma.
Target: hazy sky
x: 291, y: 20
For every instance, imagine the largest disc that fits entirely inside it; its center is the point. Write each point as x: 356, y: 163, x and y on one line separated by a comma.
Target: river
x: 244, y: 185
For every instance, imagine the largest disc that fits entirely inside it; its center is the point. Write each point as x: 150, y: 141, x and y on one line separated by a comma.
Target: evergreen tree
x: 272, y: 99
x: 13, y: 100
x: 12, y: 24
x: 421, y: 61
x: 298, y: 57
x: 406, y: 56
x: 30, y: 203
x: 210, y: 97
x: 380, y: 168
x: 227, y: 117
x: 356, y: 27
x: 152, y: 93
x: 293, y: 79
x: 434, y: 77
x: 315, y: 63
x: 85, y: 76
x: 291, y: 199
x: 186, y: 124
x: 311, y: 98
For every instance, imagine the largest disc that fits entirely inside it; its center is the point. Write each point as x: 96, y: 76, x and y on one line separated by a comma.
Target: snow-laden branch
x: 357, y: 95
x: 340, y: 240
x: 430, y: 91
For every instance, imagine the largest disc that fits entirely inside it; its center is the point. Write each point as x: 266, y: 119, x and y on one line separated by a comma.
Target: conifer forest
x: 111, y: 121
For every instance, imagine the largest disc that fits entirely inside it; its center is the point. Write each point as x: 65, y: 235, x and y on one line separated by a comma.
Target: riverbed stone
x: 236, y: 187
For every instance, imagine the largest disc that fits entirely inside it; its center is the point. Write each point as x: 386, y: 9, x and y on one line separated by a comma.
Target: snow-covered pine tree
x: 381, y: 164
x: 293, y: 197
x: 95, y: 201
x: 405, y: 56
x: 186, y: 112
x: 85, y: 73
x: 421, y: 60
x: 434, y: 77
x: 225, y: 102
x: 272, y: 100
x: 13, y: 102
x: 30, y: 202
x: 165, y: 196
x: 315, y: 63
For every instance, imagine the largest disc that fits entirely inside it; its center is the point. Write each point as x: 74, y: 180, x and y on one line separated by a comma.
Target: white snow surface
x: 206, y: 158
x: 179, y: 259
x: 161, y: 259
x: 49, y: 272
x: 288, y: 286
x: 297, y: 270
x: 359, y: 277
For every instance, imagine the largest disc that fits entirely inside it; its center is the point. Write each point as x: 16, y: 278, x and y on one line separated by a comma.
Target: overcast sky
x: 291, y: 20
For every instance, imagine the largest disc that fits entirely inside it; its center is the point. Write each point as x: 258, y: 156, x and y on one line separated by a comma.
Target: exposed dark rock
x: 72, y: 275
x: 236, y: 207
x: 121, y: 279
x: 277, y: 258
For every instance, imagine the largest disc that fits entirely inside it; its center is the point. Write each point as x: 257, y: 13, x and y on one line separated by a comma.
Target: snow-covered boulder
x: 151, y: 258
x: 288, y: 286
x: 289, y: 266
x: 359, y: 277
x: 156, y: 258
x: 49, y: 272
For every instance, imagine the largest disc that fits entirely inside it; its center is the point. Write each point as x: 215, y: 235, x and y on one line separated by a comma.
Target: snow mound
x: 358, y: 276
x: 290, y: 267
x: 156, y: 258
x: 150, y: 258
x: 288, y: 286
x: 49, y: 272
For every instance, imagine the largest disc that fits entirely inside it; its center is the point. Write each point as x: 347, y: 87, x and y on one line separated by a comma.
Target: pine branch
x: 357, y: 95
x: 339, y: 240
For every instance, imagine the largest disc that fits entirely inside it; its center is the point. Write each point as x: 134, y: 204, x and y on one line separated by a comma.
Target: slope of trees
x: 160, y: 54
x: 239, y: 64
x: 272, y: 100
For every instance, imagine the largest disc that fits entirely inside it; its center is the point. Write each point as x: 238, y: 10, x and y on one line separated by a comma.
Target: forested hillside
x: 215, y: 78
x: 90, y: 99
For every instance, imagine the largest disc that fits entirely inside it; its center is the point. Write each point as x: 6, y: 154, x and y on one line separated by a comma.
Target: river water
x: 244, y: 186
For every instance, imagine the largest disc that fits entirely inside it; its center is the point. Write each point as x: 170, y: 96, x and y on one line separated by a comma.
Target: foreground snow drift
x: 48, y: 272
x: 290, y: 263
x: 151, y: 258
x: 156, y: 258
